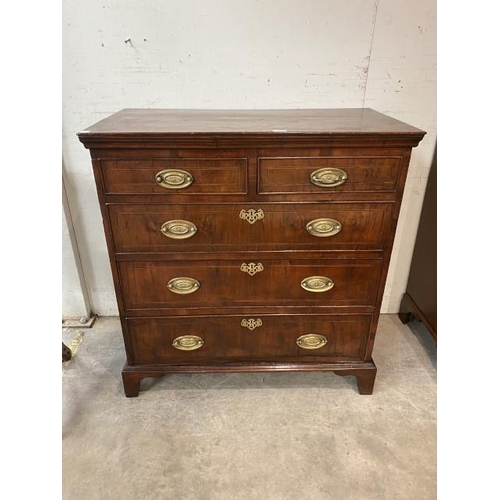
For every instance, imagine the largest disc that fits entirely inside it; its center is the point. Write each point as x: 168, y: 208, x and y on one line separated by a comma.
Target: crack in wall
x: 367, y: 67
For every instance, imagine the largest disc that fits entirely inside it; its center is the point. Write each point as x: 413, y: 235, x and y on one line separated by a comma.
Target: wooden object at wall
x: 249, y: 240
x: 420, y: 299
x: 66, y: 353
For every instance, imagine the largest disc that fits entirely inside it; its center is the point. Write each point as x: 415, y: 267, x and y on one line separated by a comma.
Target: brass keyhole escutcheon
x: 252, y: 215
x: 251, y: 323
x: 252, y: 268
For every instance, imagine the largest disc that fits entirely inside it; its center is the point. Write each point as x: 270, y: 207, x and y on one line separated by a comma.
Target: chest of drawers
x: 249, y: 240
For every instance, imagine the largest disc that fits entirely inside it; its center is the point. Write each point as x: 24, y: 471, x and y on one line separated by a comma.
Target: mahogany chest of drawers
x: 249, y: 240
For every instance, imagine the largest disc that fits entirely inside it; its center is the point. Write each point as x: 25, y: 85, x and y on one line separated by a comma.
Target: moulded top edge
x: 152, y: 123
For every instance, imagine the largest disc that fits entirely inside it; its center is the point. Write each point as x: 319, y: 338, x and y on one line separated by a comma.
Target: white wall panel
x: 402, y: 83
x: 245, y: 54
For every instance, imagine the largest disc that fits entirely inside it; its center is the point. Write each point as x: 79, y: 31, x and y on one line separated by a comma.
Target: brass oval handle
x: 188, y: 342
x: 323, y: 228
x: 311, y: 341
x: 252, y: 268
x: 252, y: 215
x: 178, y: 229
x: 183, y: 285
x: 173, y: 179
x: 251, y: 323
x: 328, y: 177
x: 317, y: 284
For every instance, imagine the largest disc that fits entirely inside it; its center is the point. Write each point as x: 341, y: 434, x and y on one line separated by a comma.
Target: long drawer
x: 329, y: 226
x: 252, y: 281
x: 187, y: 340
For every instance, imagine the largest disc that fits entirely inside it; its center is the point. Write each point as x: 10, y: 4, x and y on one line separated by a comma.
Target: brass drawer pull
x: 174, y: 179
x: 251, y: 323
x: 252, y: 268
x: 323, y: 228
x: 317, y: 284
x: 251, y: 215
x: 311, y: 341
x: 178, y: 229
x: 183, y: 285
x: 328, y: 177
x: 188, y: 342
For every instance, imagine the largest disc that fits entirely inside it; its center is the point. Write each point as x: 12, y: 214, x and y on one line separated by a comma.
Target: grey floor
x: 251, y: 436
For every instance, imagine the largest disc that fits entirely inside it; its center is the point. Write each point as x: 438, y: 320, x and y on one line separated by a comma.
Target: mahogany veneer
x: 249, y: 240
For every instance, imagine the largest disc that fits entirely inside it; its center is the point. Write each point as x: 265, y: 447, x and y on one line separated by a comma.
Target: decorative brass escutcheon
x: 183, y: 285
x: 252, y: 268
x: 251, y: 323
x: 174, y: 179
x: 328, y: 177
x: 188, y: 342
x: 323, y: 228
x: 251, y: 215
x: 317, y: 284
x: 178, y: 229
x: 311, y: 341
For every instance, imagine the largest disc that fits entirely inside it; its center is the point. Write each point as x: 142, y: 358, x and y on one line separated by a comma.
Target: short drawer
x: 186, y: 340
x: 191, y: 228
x: 250, y: 281
x: 175, y: 176
x: 328, y: 174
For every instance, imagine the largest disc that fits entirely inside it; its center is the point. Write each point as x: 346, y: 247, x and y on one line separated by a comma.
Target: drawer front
x: 175, y: 176
x: 249, y: 281
x: 329, y: 226
x: 328, y: 174
x: 223, y: 338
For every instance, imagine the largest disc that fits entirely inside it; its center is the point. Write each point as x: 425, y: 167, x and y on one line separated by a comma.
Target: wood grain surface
x: 239, y: 164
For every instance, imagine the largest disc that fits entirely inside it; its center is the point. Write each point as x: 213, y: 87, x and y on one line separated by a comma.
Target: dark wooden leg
x: 409, y: 311
x: 66, y: 352
x: 365, y: 377
x: 365, y: 381
x: 131, y: 384
x: 406, y: 312
x: 132, y: 376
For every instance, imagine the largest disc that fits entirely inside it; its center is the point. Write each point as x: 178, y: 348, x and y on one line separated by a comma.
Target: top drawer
x: 175, y: 176
x: 328, y: 174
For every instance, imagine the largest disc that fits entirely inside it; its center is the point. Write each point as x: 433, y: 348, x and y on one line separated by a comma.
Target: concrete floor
x: 281, y: 436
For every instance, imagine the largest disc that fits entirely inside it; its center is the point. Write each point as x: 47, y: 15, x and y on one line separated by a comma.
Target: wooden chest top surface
x: 344, y: 121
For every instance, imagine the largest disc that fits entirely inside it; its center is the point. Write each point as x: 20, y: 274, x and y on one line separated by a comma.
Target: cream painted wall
x: 75, y: 300
x: 225, y: 54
